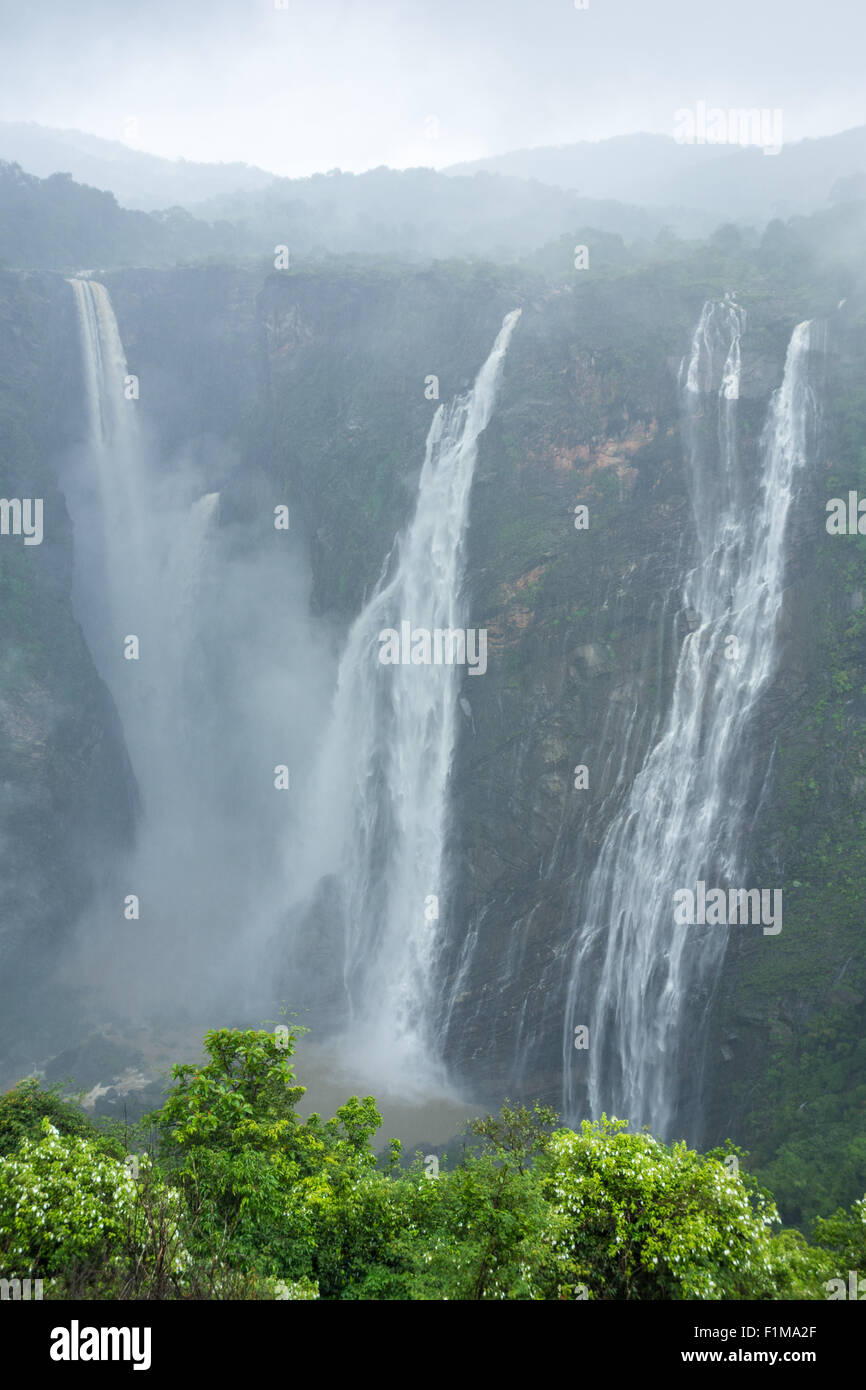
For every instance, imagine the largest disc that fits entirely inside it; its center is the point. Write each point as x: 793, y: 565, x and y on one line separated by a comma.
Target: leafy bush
x: 645, y: 1220
x: 63, y: 1202
x: 246, y: 1200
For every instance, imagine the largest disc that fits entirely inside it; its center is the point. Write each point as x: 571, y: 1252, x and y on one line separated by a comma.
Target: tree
x: 23, y: 1108
x: 640, y: 1219
x: 844, y: 1233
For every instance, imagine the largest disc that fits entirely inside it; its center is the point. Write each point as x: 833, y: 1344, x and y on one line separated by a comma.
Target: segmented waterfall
x: 380, y: 803
x: 637, y: 980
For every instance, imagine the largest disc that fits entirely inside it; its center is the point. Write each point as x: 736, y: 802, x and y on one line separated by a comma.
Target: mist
x: 309, y: 87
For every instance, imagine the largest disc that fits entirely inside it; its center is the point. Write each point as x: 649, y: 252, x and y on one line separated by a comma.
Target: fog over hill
x: 137, y: 179
x: 630, y: 186
x: 726, y: 182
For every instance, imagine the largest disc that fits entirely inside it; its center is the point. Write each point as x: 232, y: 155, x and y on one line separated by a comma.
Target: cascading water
x: 145, y: 542
x: 636, y: 979
x: 110, y: 505
x: 212, y: 706
x: 140, y: 554
x: 378, y: 830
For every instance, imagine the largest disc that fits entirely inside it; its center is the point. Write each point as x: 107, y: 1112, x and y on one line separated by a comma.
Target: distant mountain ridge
x: 691, y: 187
x: 138, y: 180
x: 730, y: 182
x: 501, y: 209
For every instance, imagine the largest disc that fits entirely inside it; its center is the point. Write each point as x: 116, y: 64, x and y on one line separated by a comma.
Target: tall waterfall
x: 139, y: 557
x: 110, y: 506
x: 145, y: 541
x: 637, y: 980
x: 379, y: 822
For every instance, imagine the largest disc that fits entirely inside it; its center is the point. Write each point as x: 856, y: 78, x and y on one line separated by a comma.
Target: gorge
x: 431, y: 890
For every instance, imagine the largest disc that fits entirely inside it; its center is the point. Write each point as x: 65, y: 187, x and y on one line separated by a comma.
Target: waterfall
x: 213, y: 707
x: 145, y: 540
x: 638, y: 981
x: 379, y: 826
x: 139, y: 556
x: 110, y: 504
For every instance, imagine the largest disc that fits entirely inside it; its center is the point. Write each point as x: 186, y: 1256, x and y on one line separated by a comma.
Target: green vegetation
x: 240, y: 1198
x: 56, y: 224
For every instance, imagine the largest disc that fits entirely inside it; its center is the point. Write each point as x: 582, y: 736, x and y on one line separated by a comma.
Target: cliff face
x: 310, y: 388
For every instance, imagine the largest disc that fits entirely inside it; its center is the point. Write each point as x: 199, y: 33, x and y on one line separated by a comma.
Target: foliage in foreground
x: 241, y: 1198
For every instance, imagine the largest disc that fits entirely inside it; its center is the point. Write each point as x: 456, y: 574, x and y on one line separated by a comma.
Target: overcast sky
x: 355, y: 83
